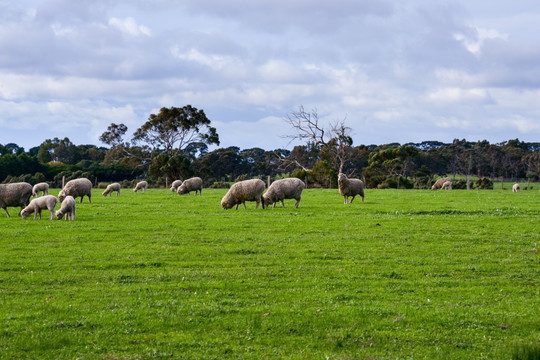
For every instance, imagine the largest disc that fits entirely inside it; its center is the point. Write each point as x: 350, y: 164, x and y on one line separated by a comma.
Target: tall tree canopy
x: 175, y: 128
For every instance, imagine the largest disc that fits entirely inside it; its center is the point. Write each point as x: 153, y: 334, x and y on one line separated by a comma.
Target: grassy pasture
x: 410, y: 274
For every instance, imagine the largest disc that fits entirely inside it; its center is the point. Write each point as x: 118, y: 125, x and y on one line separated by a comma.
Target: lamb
x: 515, y: 188
x: 40, y: 187
x: 67, y: 208
x: 439, y: 183
x: 192, y: 184
x: 350, y: 187
x: 110, y: 188
x: 45, y: 202
x: 447, y: 185
x: 15, y: 194
x: 175, y: 185
x: 78, y: 187
x: 290, y: 188
x: 242, y: 191
x: 141, y: 185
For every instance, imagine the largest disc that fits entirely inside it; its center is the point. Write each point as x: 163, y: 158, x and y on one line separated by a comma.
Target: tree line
x: 175, y: 143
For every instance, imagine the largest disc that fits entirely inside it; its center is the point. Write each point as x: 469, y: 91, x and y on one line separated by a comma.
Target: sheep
x: 242, y: 191
x: 192, y: 184
x: 447, y: 185
x: 515, y: 188
x: 15, y: 194
x: 110, y: 188
x: 290, y: 188
x: 45, y: 202
x: 40, y: 187
x: 67, y: 208
x: 141, y: 185
x: 439, y: 183
x: 175, y: 185
x: 78, y: 187
x: 350, y: 187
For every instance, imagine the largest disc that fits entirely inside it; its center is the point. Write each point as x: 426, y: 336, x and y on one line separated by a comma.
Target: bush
x: 220, y: 185
x: 484, y: 184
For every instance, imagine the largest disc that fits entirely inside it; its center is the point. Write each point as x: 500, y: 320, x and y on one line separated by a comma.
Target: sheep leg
x: 282, y: 203
x: 297, y: 203
x: 5, y: 209
x: 352, y: 199
x: 51, y: 217
x: 237, y: 206
x: 345, y: 197
x: 244, y: 203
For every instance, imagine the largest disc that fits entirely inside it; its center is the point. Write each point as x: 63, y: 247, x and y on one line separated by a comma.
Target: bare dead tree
x: 336, y: 139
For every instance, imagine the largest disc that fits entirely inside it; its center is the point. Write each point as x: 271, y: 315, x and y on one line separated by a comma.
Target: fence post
x: 63, y: 181
x: 268, y: 181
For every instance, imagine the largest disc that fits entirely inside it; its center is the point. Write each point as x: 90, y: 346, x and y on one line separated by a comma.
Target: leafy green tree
x: 175, y: 128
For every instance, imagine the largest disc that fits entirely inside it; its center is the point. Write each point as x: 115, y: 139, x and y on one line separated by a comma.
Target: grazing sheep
x: 67, y: 208
x: 141, y: 185
x: 242, y: 191
x: 175, y: 185
x: 290, y: 188
x: 447, y: 185
x: 40, y: 187
x: 110, y: 188
x: 15, y: 194
x: 439, y: 183
x: 350, y: 187
x: 515, y: 188
x: 78, y: 187
x: 45, y: 202
x: 192, y: 184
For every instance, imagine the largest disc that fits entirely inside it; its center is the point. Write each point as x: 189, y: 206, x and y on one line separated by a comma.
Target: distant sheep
x: 15, y: 195
x: 110, y: 188
x: 67, y: 208
x: 515, y: 188
x: 439, y: 183
x: 350, y: 187
x: 40, y: 187
x: 242, y: 191
x: 79, y: 187
x: 175, y: 185
x: 447, y: 185
x: 141, y: 185
x: 290, y: 188
x: 45, y: 202
x: 192, y: 184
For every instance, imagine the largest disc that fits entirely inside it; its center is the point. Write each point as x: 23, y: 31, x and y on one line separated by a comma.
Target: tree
x: 334, y: 141
x: 175, y: 128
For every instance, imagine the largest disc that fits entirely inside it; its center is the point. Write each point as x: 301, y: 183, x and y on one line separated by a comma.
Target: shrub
x: 484, y: 184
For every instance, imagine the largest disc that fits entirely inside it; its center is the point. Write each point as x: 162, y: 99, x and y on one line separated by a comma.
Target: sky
x: 394, y: 71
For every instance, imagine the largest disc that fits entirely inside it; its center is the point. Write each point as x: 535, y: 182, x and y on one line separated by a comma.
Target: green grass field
x: 410, y: 274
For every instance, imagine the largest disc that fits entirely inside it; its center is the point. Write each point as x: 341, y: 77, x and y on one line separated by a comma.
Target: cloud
x: 129, y: 26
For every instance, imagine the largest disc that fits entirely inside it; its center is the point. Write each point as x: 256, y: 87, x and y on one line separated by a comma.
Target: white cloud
x: 129, y: 26
x: 474, y: 43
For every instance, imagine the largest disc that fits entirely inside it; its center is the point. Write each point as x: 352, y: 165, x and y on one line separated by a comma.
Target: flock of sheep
x: 19, y: 194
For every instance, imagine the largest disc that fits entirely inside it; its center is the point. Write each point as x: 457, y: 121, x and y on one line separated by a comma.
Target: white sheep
x: 439, y: 183
x: 515, y: 188
x: 45, y: 202
x: 110, y: 188
x: 68, y: 208
x: 15, y: 195
x: 78, y: 187
x: 350, y: 187
x: 447, y: 185
x: 175, y: 185
x: 40, y: 187
x: 242, y: 191
x: 192, y: 184
x: 290, y: 188
x: 141, y: 185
